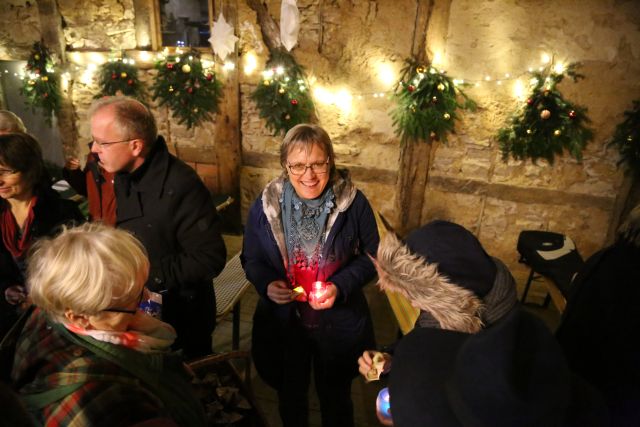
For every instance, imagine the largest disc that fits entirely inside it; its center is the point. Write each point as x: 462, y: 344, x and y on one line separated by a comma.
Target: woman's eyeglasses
x: 127, y: 310
x: 301, y: 168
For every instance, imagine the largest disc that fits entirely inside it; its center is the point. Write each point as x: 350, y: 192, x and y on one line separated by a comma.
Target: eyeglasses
x: 127, y: 310
x: 6, y: 172
x: 106, y: 144
x: 301, y: 168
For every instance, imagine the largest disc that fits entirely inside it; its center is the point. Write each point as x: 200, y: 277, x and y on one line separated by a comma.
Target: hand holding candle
x: 322, y: 295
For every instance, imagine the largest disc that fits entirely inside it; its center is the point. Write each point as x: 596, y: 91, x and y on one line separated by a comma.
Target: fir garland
x: 627, y: 138
x: 40, y: 82
x: 191, y: 93
x: 548, y: 123
x: 427, y: 103
x: 282, y: 97
x: 119, y: 77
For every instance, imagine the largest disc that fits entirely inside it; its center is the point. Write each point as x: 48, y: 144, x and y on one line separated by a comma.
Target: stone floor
x: 363, y: 394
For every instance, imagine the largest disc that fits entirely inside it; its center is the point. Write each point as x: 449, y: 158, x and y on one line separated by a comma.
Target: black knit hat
x: 458, y: 253
x: 512, y: 374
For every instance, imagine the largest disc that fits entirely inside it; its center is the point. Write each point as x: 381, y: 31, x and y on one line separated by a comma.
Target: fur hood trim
x: 402, y: 271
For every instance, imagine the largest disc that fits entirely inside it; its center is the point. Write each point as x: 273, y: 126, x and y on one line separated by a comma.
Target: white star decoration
x: 222, y: 39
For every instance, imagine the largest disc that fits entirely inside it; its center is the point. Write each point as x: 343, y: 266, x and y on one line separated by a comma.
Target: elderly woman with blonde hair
x: 10, y: 123
x: 87, y: 355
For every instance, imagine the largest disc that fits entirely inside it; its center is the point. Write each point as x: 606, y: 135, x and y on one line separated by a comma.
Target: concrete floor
x: 363, y: 394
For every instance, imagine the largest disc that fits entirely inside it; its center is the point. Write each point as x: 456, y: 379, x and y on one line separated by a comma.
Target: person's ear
x: 80, y: 320
x: 137, y: 147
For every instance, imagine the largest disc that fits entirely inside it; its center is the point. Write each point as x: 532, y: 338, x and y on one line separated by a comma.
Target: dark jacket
x: 599, y: 328
x: 166, y: 205
x: 353, y: 236
x: 50, y: 213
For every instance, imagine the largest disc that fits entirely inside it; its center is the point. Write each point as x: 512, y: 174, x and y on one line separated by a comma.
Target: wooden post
x: 227, y: 130
x: 415, y: 157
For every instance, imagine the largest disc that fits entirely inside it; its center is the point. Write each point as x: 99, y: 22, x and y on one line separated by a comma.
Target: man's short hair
x: 86, y: 269
x: 132, y: 117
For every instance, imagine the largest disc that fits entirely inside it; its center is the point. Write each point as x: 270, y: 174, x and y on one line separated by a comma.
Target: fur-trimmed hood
x: 451, y: 306
x: 343, y: 189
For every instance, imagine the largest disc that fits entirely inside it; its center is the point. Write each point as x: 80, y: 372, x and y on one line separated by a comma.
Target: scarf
x: 163, y: 374
x: 146, y: 334
x: 304, y: 222
x: 496, y: 304
x: 17, y: 244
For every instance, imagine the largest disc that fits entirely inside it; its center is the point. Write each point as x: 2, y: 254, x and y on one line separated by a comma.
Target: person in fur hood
x: 474, y: 358
x: 306, y: 249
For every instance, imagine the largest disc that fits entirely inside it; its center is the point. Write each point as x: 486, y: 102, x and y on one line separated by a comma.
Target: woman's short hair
x: 87, y: 269
x: 132, y: 118
x: 304, y: 136
x: 21, y: 152
x: 10, y: 123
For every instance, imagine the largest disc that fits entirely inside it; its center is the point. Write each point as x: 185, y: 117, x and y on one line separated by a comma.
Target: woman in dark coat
x: 29, y: 209
x: 306, y: 250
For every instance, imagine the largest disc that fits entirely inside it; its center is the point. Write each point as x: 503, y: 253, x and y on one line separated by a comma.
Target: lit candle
x: 383, y: 404
x: 319, y: 288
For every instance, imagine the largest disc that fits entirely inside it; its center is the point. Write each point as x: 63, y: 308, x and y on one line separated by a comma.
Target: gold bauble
x: 267, y: 82
x: 529, y: 132
x: 557, y: 132
x: 186, y: 68
x: 545, y: 114
x: 36, y: 56
x: 421, y: 70
x: 446, y: 116
x: 45, y: 78
x: 170, y: 88
x: 123, y: 75
x: 440, y: 87
x: 629, y: 138
x: 281, y: 90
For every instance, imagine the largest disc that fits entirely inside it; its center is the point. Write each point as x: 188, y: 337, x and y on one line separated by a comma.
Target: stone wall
x: 343, y: 42
x: 349, y: 45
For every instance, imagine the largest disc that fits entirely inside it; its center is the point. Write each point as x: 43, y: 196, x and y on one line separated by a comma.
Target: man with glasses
x: 165, y: 204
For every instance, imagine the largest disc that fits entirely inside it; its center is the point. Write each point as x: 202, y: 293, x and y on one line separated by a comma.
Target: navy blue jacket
x: 352, y: 238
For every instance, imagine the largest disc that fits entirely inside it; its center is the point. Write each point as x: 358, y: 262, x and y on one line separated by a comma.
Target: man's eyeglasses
x: 127, y: 310
x: 301, y: 168
x: 106, y: 144
x: 6, y: 172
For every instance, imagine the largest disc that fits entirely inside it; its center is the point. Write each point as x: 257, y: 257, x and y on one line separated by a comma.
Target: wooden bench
x: 230, y: 286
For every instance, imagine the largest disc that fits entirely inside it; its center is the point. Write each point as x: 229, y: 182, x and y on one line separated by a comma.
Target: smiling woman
x: 306, y: 247
x: 29, y: 209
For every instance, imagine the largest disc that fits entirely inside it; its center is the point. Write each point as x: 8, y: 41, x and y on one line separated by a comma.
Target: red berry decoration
x: 529, y: 101
x: 411, y: 88
x: 190, y: 90
x: 572, y: 114
x: 114, y: 76
x: 209, y: 77
x: 294, y: 102
x: 170, y: 66
x: 130, y: 82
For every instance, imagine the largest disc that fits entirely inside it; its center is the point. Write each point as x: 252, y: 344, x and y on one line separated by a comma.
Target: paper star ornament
x: 222, y: 39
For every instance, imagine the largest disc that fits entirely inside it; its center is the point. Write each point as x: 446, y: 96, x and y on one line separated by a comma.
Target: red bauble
x: 572, y: 114
x: 294, y: 102
x: 411, y: 88
x: 114, y: 76
x: 209, y: 77
x: 529, y: 101
x: 170, y: 66
x: 130, y: 82
x: 190, y: 90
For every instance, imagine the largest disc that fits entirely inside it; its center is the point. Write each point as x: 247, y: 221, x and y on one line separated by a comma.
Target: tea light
x: 383, y: 403
x: 318, y: 289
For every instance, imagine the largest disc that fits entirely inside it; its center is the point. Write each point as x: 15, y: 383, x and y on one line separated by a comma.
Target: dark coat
x: 166, y: 205
x: 50, y: 213
x: 352, y: 238
x: 599, y: 328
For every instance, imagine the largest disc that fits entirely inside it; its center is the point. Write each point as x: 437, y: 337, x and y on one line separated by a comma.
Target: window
x: 183, y: 23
